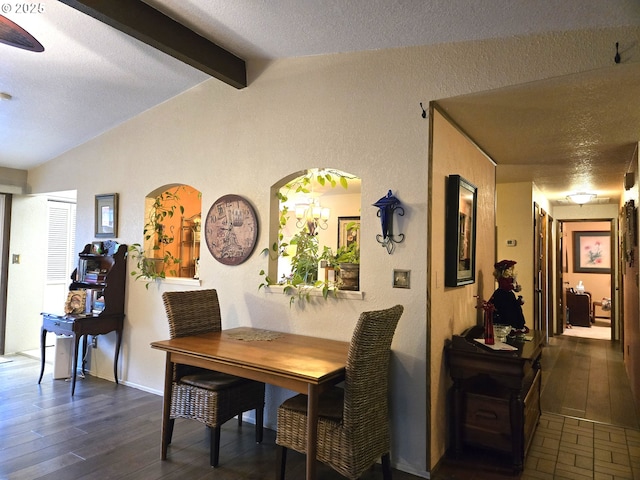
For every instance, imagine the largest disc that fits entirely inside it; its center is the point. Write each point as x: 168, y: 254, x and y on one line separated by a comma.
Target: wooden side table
x: 496, y: 395
x: 81, y: 326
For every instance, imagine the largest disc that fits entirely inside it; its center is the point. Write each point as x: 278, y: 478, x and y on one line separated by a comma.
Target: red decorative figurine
x: 488, y: 321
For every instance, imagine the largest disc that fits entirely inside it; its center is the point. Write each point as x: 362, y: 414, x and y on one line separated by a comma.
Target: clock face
x: 231, y: 229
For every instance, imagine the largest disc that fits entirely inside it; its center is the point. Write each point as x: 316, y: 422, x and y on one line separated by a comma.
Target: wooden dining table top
x: 304, y: 358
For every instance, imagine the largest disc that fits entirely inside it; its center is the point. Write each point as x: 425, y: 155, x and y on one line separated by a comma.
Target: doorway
x: 587, y: 262
x: 39, y: 223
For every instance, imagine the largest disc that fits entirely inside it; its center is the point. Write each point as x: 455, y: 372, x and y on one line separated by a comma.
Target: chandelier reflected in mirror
x: 313, y: 215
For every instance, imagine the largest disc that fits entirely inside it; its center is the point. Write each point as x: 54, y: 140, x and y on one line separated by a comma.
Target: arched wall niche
x: 180, y: 226
x: 342, y: 204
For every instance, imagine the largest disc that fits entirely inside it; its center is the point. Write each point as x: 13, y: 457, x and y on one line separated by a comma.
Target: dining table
x: 303, y: 364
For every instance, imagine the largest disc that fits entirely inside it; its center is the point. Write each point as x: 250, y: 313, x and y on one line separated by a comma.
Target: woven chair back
x: 192, y: 312
x: 367, y: 369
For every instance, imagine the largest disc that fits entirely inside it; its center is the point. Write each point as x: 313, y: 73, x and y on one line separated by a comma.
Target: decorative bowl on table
x: 501, y: 332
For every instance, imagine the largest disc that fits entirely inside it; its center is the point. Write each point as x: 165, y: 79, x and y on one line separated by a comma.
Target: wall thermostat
x: 511, y: 243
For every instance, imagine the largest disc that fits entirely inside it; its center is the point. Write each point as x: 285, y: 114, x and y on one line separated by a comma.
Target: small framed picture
x: 348, y: 231
x: 107, y: 215
x: 401, y: 278
x: 76, y: 302
x: 96, y: 248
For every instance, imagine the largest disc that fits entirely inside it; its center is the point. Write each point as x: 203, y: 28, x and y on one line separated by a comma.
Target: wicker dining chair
x: 353, y: 422
x: 207, y: 396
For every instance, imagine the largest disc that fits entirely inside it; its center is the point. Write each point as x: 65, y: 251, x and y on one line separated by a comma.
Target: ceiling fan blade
x: 16, y: 36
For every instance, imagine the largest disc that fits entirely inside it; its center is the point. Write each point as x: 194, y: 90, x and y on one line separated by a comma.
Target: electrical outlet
x: 94, y: 341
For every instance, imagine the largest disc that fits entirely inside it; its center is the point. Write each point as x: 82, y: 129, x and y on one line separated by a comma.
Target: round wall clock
x: 231, y: 229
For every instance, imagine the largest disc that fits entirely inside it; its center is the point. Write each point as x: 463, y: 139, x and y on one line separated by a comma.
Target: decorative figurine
x: 488, y: 309
x: 508, y: 306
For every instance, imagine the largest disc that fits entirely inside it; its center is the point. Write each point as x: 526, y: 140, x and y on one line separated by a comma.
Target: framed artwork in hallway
x: 592, y: 252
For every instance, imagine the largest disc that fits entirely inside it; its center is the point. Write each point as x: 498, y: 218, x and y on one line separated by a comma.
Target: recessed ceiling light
x: 5, y: 96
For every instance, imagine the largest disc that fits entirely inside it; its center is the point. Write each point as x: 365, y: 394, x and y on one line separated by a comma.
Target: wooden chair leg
x: 259, y: 424
x: 281, y: 462
x: 214, y: 454
x: 170, y: 428
x: 386, y: 467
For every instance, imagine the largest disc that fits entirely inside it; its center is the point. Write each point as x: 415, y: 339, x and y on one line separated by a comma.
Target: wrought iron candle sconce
x: 387, y: 206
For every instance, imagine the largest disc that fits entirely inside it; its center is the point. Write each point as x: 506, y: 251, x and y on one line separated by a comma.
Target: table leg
x: 84, y: 352
x: 312, y: 430
x: 74, y: 363
x: 117, y: 354
x: 166, y: 405
x: 43, y: 337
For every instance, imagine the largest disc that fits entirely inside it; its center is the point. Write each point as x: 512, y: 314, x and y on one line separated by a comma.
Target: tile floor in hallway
x: 563, y: 448
x: 571, y: 448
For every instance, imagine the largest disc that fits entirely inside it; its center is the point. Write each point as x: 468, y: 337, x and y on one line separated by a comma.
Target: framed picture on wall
x: 592, y: 252
x: 460, y: 232
x: 348, y: 231
x: 106, y: 215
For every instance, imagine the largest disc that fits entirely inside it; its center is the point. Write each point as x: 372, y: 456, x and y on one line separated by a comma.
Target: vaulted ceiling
x: 91, y: 76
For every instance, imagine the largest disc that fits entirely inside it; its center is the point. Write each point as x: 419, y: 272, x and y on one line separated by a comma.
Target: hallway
x: 585, y: 378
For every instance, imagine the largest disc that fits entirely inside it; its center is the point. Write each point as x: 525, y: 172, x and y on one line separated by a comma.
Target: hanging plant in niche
x: 154, y: 260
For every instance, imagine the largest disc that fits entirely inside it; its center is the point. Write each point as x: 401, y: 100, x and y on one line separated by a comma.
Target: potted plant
x: 153, y: 259
x: 304, y: 263
x: 347, y: 259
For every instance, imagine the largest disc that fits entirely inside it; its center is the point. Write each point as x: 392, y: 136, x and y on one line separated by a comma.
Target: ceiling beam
x: 139, y: 20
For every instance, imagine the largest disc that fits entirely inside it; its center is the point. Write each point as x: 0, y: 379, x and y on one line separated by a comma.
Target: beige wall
x: 355, y: 112
x: 515, y: 222
x: 452, y: 309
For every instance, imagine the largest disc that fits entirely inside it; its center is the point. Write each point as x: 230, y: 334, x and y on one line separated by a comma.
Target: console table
x: 496, y: 394
x: 81, y: 326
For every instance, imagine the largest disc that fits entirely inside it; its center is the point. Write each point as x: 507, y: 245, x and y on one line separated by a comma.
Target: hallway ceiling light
x: 581, y: 198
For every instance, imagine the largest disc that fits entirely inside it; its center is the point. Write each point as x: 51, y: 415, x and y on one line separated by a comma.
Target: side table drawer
x: 57, y: 325
x: 487, y: 422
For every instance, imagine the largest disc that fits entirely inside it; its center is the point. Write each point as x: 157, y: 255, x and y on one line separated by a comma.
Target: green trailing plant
x: 304, y: 263
x: 159, y: 261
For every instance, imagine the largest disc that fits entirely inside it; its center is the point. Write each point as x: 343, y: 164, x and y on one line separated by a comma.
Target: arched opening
x: 171, y: 245
x: 317, y: 224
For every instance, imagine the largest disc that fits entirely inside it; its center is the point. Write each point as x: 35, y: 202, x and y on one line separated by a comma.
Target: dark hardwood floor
x: 109, y: 431
x: 586, y: 379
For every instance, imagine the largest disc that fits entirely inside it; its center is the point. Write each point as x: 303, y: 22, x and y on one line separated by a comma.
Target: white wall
x: 25, y: 299
x: 355, y: 112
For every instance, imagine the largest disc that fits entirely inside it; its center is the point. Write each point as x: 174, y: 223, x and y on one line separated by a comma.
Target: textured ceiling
x: 91, y: 77
x: 567, y: 134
